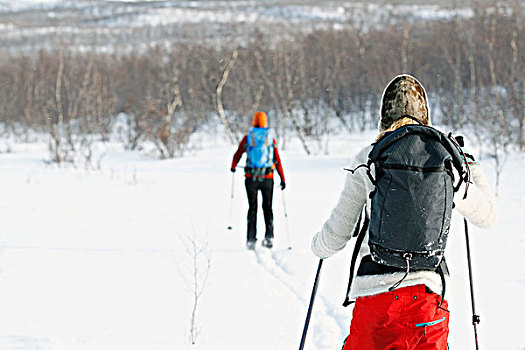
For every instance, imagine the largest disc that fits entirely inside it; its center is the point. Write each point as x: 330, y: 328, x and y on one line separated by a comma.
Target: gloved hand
x: 469, y: 157
x: 283, y: 185
x: 232, y: 170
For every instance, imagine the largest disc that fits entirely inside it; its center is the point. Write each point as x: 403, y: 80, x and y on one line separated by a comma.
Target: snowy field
x: 100, y: 259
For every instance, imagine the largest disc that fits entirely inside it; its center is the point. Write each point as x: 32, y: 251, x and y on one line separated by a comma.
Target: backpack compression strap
x: 357, y: 247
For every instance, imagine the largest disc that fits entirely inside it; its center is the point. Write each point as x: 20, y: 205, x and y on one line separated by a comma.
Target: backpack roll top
x: 426, y: 132
x: 411, y: 205
x: 259, y: 148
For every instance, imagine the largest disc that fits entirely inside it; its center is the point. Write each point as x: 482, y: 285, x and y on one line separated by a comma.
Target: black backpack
x: 411, y: 205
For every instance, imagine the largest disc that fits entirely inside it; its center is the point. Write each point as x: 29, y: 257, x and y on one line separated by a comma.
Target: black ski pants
x: 266, y: 188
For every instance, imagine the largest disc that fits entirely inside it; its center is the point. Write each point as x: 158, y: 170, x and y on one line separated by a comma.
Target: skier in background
x: 395, y: 309
x: 262, y: 158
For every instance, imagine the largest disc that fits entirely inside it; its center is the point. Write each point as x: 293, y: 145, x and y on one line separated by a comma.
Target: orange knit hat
x: 260, y: 120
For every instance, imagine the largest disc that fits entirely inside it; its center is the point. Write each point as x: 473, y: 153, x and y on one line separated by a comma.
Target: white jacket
x: 479, y: 208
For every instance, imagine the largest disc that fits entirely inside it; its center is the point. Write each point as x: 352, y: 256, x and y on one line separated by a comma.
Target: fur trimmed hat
x: 403, y: 96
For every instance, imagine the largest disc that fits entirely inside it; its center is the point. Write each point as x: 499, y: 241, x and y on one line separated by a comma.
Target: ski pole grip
x: 460, y: 140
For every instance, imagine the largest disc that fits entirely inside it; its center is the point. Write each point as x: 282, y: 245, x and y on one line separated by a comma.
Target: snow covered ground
x: 98, y: 259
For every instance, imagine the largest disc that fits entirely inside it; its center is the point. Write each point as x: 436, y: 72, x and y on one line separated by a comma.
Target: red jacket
x: 276, y: 160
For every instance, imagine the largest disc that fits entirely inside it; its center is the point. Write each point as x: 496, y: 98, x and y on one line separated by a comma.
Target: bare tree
x: 166, y: 142
x: 57, y: 143
x: 163, y: 96
x: 220, y: 87
x: 517, y: 74
x: 196, y: 275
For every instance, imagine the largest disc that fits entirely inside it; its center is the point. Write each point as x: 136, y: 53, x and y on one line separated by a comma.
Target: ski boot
x: 250, y: 245
x: 268, y: 243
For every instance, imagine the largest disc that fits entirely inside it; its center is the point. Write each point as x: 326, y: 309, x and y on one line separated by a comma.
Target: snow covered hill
x: 26, y: 26
x: 103, y: 259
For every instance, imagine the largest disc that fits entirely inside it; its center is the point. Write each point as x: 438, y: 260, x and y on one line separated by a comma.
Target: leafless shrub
x: 323, y: 78
x: 195, y: 274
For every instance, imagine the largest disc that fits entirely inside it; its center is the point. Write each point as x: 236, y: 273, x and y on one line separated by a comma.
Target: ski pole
x: 286, y: 223
x: 475, y: 318
x: 231, y: 202
x: 312, y: 298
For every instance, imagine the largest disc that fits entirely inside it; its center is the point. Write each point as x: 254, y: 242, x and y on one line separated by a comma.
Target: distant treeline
x: 473, y: 69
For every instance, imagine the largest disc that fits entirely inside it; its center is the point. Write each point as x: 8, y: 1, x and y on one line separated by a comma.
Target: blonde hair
x: 396, y: 124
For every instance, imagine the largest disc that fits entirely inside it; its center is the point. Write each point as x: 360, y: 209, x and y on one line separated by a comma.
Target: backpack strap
x: 459, y: 143
x: 252, y: 139
x: 250, y: 142
x: 442, y: 269
x: 267, y: 142
x: 360, y: 237
x: 368, y: 172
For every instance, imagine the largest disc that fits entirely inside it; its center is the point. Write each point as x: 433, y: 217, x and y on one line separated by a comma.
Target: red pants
x: 406, y: 319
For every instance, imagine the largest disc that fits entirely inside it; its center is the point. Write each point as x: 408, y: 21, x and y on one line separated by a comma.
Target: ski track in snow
x: 325, y: 316
x: 332, y: 310
x: 77, y: 245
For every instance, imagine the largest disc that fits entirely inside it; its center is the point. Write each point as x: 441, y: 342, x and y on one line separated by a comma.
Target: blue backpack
x: 259, y: 148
